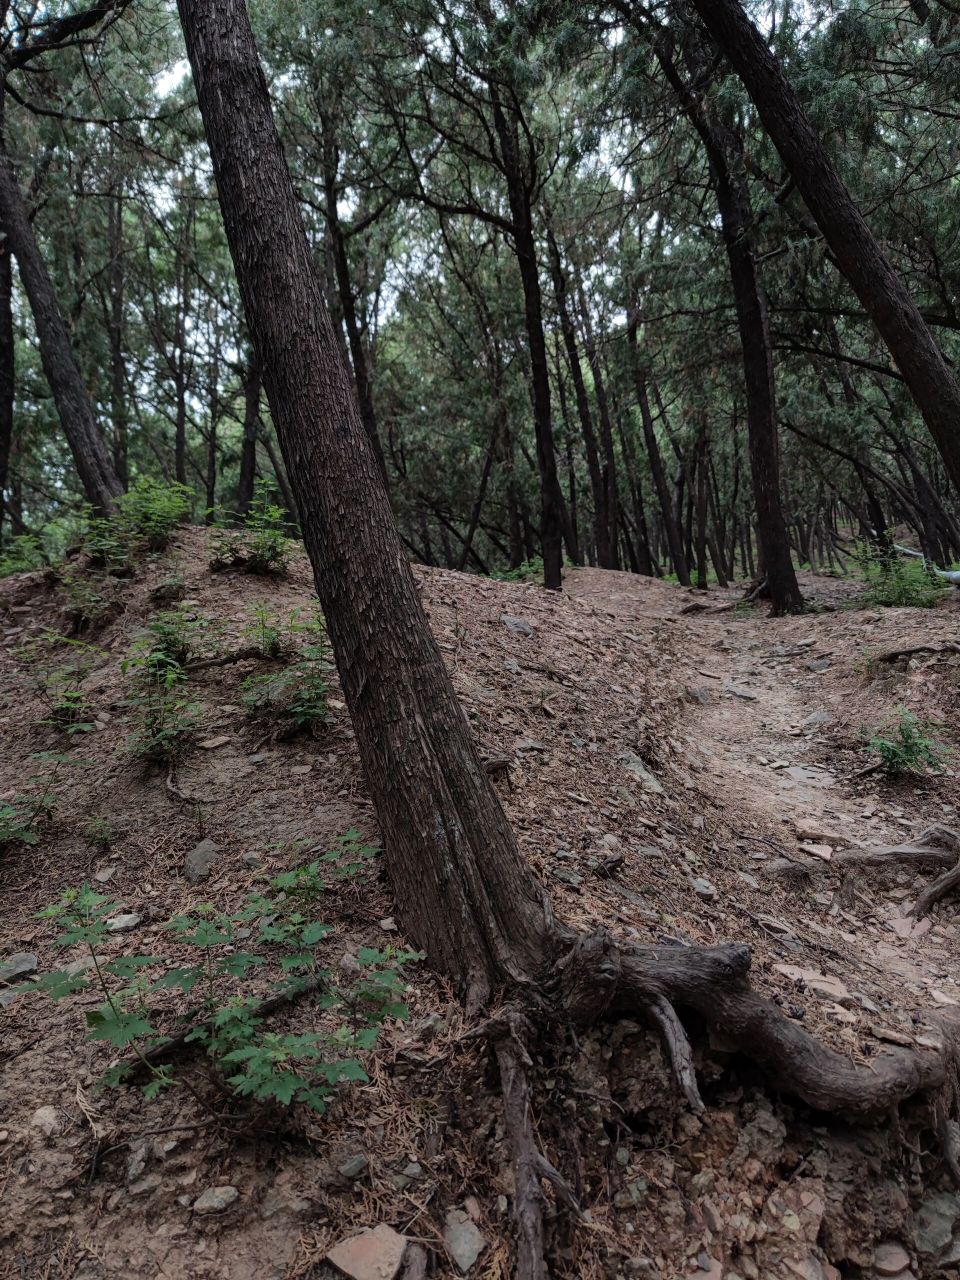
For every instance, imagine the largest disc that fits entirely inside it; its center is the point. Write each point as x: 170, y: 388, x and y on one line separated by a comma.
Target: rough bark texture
x: 463, y: 890
x: 858, y: 254
x: 251, y: 423
x: 97, y: 475
x: 7, y: 372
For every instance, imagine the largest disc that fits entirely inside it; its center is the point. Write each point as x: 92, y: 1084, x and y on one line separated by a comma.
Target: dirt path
x: 777, y: 709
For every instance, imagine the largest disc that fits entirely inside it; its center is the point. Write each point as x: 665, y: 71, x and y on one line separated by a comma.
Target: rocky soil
x: 662, y: 763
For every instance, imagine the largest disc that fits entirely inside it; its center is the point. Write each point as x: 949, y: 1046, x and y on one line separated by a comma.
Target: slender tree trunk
x: 667, y: 514
x: 463, y: 890
x: 7, y: 374
x: 611, y: 498
x: 96, y: 471
x: 858, y: 253
x: 753, y: 322
x: 601, y: 521
x: 553, y: 515
x: 348, y: 308
x: 115, y: 334
x: 251, y: 422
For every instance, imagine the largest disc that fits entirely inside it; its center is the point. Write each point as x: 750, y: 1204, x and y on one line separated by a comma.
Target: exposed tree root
x: 713, y: 981
x: 174, y: 791
x: 936, y: 845
x: 226, y: 659
x: 894, y: 655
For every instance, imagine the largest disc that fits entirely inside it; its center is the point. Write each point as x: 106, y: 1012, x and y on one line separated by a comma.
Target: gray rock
x: 934, y: 1222
x: 124, y: 923
x: 748, y: 879
x: 698, y: 693
x: 520, y: 625
x: 47, y: 1120
x: 703, y: 888
x: 199, y: 861
x: 350, y: 965
x: 635, y: 766
x: 890, y: 1258
x: 215, y: 1199
x: 737, y: 691
x: 819, y: 664
x: 18, y: 966
x: 464, y: 1241
x: 819, y: 720
x: 353, y: 1167
x: 277, y: 1201
x: 565, y: 876
x: 252, y: 859
x: 375, y: 1254
x: 413, y: 1170
x: 137, y: 1161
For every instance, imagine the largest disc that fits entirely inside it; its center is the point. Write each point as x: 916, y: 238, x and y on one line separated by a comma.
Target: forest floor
x: 704, y: 743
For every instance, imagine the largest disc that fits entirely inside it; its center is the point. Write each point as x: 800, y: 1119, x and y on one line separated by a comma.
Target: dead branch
x: 894, y: 655
x: 936, y: 890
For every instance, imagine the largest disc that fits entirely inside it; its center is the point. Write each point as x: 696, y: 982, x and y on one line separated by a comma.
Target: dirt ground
x: 700, y: 740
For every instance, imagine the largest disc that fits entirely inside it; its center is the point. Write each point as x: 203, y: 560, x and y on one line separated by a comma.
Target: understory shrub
x: 259, y: 546
x: 272, y: 933
x: 906, y: 745
x: 890, y: 582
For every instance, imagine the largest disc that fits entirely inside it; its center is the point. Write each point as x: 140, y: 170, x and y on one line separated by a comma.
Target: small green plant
x: 527, y: 571
x: 91, y: 602
x: 906, y: 745
x: 264, y: 631
x: 261, y: 546
x: 150, y: 511
x: 295, y: 698
x: 98, y: 833
x: 21, y: 554
x: 245, y: 1058
x: 890, y: 582
x: 22, y: 818
x: 164, y: 718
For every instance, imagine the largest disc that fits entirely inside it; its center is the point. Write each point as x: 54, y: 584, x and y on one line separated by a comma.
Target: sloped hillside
x: 673, y: 775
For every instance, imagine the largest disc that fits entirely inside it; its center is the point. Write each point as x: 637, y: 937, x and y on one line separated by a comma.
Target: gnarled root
x: 713, y: 981
x: 936, y: 890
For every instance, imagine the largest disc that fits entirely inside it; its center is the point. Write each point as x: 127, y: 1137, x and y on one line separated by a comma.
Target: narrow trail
x: 774, y: 715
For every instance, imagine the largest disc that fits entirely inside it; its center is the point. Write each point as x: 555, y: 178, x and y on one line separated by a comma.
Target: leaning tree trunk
x: 96, y: 471
x: 463, y: 891
x: 248, y: 448
x: 858, y: 253
x: 7, y: 373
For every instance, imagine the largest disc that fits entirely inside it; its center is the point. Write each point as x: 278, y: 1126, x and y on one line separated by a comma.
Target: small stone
x: 388, y: 924
x: 215, y: 1199
x: 210, y: 744
x: 252, y: 859
x: 277, y: 1202
x: 698, y: 693
x: 350, y: 965
x: 934, y: 1222
x: 124, y: 923
x: 748, y: 879
x: 566, y: 876
x: 819, y: 720
x: 703, y: 888
x: 519, y: 625
x: 18, y: 966
x: 47, y: 1120
x: 464, y: 1241
x: 103, y: 874
x: 374, y: 1254
x: 890, y: 1258
x: 635, y: 766
x: 199, y: 861
x: 737, y: 691
x: 353, y: 1167
x: 413, y: 1170
x: 819, y: 664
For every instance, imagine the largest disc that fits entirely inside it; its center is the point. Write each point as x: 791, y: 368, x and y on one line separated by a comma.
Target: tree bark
x: 96, y: 471
x: 858, y: 253
x: 251, y: 422
x: 7, y: 373
x: 463, y: 891
x: 753, y: 323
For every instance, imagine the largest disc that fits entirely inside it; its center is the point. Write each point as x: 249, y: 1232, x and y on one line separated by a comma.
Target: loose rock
x: 124, y: 923
x: 18, y: 966
x: 374, y: 1254
x: 464, y: 1241
x: 199, y: 861
x: 215, y: 1199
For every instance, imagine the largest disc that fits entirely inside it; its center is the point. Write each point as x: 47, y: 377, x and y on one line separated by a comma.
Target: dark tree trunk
x: 611, y: 500
x: 753, y: 322
x: 251, y: 424
x: 115, y: 335
x: 96, y: 472
x: 667, y: 514
x: 348, y: 308
x: 601, y: 520
x: 7, y: 374
x: 463, y: 891
x: 858, y: 254
x: 553, y: 515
